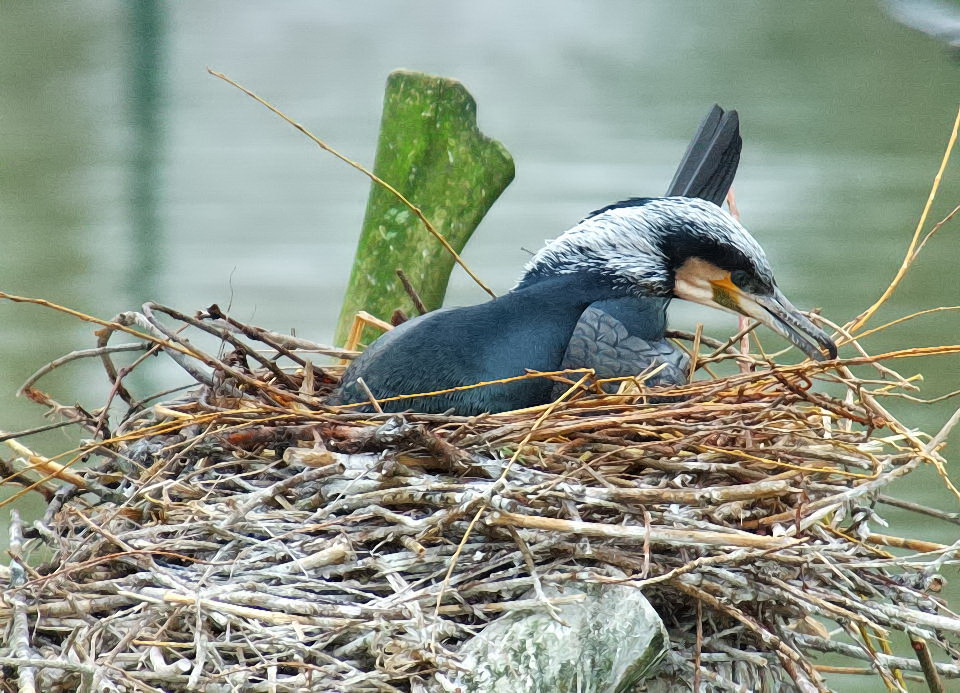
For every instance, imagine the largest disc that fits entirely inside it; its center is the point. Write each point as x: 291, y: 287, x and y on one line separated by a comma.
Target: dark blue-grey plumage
x: 523, y: 329
x: 624, y: 337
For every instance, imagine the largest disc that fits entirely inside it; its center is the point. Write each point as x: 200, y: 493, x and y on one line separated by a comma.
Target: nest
x: 244, y: 537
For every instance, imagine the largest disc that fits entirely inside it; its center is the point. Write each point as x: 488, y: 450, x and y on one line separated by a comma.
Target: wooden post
x: 432, y: 152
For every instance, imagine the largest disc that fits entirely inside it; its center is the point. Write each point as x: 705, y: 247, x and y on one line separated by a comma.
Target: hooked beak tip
x: 784, y: 318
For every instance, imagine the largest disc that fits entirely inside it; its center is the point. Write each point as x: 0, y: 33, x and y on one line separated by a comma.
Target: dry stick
x: 917, y: 508
x: 920, y: 313
x: 532, y: 570
x: 788, y: 656
x: 46, y: 466
x: 852, y: 651
x: 376, y: 179
x: 855, y: 671
x: 704, y: 339
x: 366, y: 390
x: 645, y: 569
x: 725, y: 559
x: 53, y: 470
x: 119, y: 389
x: 20, y: 627
x: 904, y: 543
x: 726, y: 347
x: 910, y: 398
x: 268, y: 364
x: 944, y: 431
x: 486, y: 383
x: 103, y: 323
x: 80, y: 354
x: 136, y: 406
x: 47, y: 663
x: 280, y: 341
x: 39, y: 429
x: 38, y: 486
x: 924, y: 452
x: 743, y: 323
x: 927, y: 664
x: 360, y: 319
x: 912, y: 249
x: 888, y: 650
x: 866, y: 641
x: 847, y: 338
x: 695, y: 351
x: 812, y: 368
x: 411, y: 292
x: 658, y: 535
x: 122, y: 321
x: 937, y: 227
x: 929, y: 451
x: 698, y: 647
x: 218, y: 366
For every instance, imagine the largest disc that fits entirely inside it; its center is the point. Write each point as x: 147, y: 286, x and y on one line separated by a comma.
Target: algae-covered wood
x: 604, y: 643
x: 431, y: 150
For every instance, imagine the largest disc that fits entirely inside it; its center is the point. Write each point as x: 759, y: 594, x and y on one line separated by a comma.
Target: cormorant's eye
x: 742, y: 279
x: 749, y: 282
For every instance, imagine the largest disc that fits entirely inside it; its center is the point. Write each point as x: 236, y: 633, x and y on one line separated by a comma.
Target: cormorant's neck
x: 573, y: 287
x: 564, y: 297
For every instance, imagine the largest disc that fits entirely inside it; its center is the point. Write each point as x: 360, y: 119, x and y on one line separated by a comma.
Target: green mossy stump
x: 432, y: 152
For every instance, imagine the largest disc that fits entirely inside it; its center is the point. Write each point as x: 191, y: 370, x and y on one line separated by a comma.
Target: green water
x: 128, y: 174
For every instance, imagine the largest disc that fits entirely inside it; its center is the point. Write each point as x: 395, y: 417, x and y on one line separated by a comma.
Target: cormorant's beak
x: 703, y: 282
x: 777, y: 313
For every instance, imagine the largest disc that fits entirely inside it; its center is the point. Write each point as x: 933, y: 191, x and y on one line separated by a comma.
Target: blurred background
x: 127, y: 173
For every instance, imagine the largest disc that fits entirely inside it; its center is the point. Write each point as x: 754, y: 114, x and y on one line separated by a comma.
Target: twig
x: 411, y: 292
x: 927, y: 664
x: 38, y: 429
x: 376, y: 179
x: 657, y: 535
x: 370, y: 398
x: 913, y: 248
x: 698, y: 643
x: 46, y: 466
x: 20, y: 636
x: 111, y: 325
x: 81, y: 354
x: 917, y: 508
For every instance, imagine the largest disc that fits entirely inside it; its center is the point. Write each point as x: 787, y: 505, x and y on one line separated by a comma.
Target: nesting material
x: 243, y: 537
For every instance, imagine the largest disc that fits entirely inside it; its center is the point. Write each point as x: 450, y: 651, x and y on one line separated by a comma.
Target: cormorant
x: 642, y: 248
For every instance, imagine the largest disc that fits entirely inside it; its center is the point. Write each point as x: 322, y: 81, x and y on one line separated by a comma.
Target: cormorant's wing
x: 600, y: 341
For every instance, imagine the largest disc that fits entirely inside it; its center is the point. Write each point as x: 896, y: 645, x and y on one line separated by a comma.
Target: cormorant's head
x: 683, y: 247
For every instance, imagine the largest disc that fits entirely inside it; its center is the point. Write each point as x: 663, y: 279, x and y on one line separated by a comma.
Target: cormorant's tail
x: 711, y: 160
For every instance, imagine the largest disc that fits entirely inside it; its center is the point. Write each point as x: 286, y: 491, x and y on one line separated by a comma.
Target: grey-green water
x: 127, y: 173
